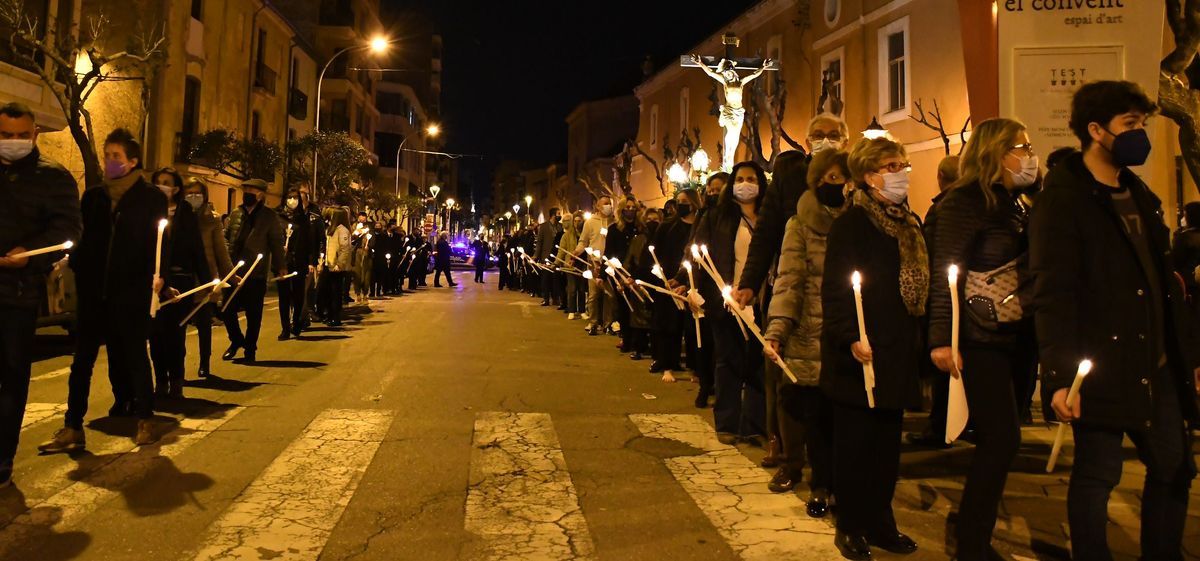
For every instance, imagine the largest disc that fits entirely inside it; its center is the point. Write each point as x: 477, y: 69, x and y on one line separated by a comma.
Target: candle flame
x: 68, y: 244
x: 604, y: 231
x: 587, y: 275
x: 260, y: 256
x: 387, y: 256
x: 616, y: 262
x: 856, y: 279
x: 726, y: 291
x: 656, y: 270
x: 954, y: 273
x: 1085, y: 367
x: 687, y: 265
x: 695, y: 251
x: 651, y: 249
x: 162, y: 224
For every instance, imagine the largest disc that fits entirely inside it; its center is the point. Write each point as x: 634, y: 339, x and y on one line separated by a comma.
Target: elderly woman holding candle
x: 880, y: 238
x: 794, y: 331
x: 982, y: 230
x: 185, y: 266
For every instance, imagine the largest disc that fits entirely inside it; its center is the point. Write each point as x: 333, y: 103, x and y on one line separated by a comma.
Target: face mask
x: 1028, y: 174
x: 629, y: 215
x: 895, y: 186
x: 557, y: 219
x: 683, y: 211
x: 13, y: 149
x: 1130, y: 148
x: 167, y: 190
x: 831, y: 195
x: 606, y: 210
x: 710, y: 201
x: 195, y: 199
x: 249, y: 199
x: 825, y: 144
x: 652, y: 225
x: 114, y: 170
x: 745, y: 192
x: 293, y: 202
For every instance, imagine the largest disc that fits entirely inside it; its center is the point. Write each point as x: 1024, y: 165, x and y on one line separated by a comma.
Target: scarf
x: 116, y: 188
x: 901, y: 224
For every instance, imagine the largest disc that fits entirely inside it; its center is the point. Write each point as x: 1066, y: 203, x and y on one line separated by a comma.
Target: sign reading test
x: 1049, y: 48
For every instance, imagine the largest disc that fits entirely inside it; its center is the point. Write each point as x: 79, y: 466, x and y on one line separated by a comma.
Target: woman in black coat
x: 616, y: 244
x: 184, y: 266
x: 880, y: 238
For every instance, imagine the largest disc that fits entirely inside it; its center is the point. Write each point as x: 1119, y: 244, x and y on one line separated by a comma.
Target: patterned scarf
x: 902, y: 225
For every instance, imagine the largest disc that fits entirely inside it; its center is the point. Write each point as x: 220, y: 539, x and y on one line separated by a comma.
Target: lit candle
x: 868, y: 368
x: 284, y: 277
x: 287, y: 238
x: 1085, y: 368
x: 957, y: 411
x: 657, y: 265
x: 44, y: 250
x: 213, y: 284
x: 224, y: 282
x: 162, y: 226
x: 727, y: 293
x: 243, y: 283
x: 692, y: 290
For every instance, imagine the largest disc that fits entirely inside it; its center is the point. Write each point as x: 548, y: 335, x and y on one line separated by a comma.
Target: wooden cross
x: 731, y: 42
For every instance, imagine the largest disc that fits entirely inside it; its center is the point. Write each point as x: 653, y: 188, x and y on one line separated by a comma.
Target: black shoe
x: 544, y: 303
x: 896, y: 543
x: 852, y: 546
x: 782, y: 482
x: 121, y: 409
x: 727, y: 438
x: 636, y: 355
x: 297, y: 331
x: 656, y: 368
x: 702, y: 400
x: 437, y: 285
x: 927, y: 439
x: 231, y: 352
x: 284, y: 336
x: 248, y: 358
x: 754, y: 440
x: 818, y: 505
x: 453, y: 284
x: 203, y: 372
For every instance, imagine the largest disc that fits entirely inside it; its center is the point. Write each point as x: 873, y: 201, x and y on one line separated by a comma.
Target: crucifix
x: 724, y: 71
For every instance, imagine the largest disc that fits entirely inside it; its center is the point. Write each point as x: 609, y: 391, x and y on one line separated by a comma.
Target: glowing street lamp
x: 377, y: 46
x: 434, y: 190
x: 700, y: 161
x: 433, y: 130
x: 517, y: 208
x: 676, y: 174
x: 875, y: 130
x: 528, y: 201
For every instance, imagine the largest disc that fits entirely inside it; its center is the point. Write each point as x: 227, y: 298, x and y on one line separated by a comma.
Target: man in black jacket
x: 114, y: 277
x: 41, y: 209
x: 825, y: 132
x: 1104, y: 291
x: 259, y: 233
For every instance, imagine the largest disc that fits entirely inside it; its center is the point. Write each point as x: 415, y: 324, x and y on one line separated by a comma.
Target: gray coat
x: 794, y: 318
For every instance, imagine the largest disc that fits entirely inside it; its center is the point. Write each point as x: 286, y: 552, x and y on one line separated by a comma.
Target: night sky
x: 513, y: 70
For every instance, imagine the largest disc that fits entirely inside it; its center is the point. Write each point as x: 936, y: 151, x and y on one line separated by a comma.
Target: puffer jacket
x: 794, y: 318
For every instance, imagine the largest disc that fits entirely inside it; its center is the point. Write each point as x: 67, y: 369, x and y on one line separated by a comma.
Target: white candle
x: 224, y: 282
x: 1085, y: 368
x: 957, y: 411
x: 211, y: 284
x: 657, y: 265
x: 243, y: 283
x: 868, y: 368
x: 660, y: 289
x: 154, y: 305
x: 284, y: 277
x: 287, y: 238
x: 65, y: 245
x: 692, y: 284
x: 727, y: 293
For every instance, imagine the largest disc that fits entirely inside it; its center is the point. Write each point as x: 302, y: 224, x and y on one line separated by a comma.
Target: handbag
x: 996, y: 299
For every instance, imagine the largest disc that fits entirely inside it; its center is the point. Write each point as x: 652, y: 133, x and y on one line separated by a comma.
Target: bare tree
x: 1179, y: 81
x: 53, y: 57
x: 772, y: 106
x: 938, y: 126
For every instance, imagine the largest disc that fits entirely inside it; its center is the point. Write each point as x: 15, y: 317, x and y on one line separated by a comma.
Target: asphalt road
x: 458, y: 423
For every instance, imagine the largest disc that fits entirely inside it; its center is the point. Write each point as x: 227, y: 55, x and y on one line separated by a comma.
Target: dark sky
x: 514, y: 69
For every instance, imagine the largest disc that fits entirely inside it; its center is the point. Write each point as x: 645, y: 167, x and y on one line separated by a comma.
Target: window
x: 386, y: 145
x: 894, y: 70
x: 198, y: 10
x: 832, y: 12
x: 191, y: 117
x: 339, y: 116
x: 654, y: 125
x: 832, y: 65
x: 255, y: 122
x: 390, y: 103
x: 685, y: 108
x: 336, y: 12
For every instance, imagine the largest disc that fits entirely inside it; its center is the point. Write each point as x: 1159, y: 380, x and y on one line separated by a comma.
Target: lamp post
x: 378, y: 45
x: 529, y: 209
x: 875, y: 130
x: 430, y: 132
x: 449, y: 206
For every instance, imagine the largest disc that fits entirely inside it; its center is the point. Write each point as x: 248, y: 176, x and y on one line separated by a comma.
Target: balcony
x: 264, y: 79
x: 298, y: 104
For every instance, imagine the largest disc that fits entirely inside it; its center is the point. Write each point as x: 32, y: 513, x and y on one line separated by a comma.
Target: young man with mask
x: 825, y: 132
x: 547, y: 235
x: 42, y: 209
x: 258, y: 232
x: 301, y: 258
x: 598, y: 303
x: 114, y: 276
x: 1104, y: 291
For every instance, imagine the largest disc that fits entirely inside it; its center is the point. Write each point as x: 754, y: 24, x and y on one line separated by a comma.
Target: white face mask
x: 606, y: 210
x: 1028, y: 174
x: 745, y: 191
x: 195, y: 199
x: 13, y: 149
x: 825, y: 144
x: 895, y: 186
x: 293, y: 202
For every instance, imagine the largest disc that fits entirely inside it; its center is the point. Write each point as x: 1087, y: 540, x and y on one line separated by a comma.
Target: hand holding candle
x: 245, y: 277
x: 692, y: 290
x: 957, y: 411
x: 868, y: 367
x: 1085, y: 368
x: 34, y: 252
x: 727, y: 293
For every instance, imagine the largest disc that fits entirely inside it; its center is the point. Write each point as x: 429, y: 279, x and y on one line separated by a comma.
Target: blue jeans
x: 1165, y: 449
x: 740, y: 407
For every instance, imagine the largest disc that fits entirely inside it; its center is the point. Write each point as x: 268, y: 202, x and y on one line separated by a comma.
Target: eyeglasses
x: 895, y: 167
x: 1027, y: 148
x: 834, y: 136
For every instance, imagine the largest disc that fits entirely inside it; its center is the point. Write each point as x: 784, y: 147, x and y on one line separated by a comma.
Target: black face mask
x: 557, y: 219
x: 831, y: 195
x: 629, y: 215
x: 1130, y: 148
x: 683, y: 211
x: 710, y: 201
x: 249, y: 199
x: 652, y: 226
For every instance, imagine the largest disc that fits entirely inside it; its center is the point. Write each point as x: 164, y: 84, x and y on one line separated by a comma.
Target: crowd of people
x: 853, y: 296
x: 151, y: 256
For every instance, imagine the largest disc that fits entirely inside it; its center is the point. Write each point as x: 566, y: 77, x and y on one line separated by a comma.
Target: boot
x: 774, y: 455
x: 145, y: 433
x: 65, y: 439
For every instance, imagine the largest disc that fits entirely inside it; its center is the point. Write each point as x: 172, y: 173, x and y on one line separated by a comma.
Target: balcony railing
x: 264, y: 78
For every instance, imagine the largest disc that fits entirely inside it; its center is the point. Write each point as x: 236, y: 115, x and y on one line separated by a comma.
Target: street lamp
x: 875, y: 130
x: 434, y: 190
x: 430, y: 132
x: 676, y: 174
x: 378, y: 45
x: 449, y: 207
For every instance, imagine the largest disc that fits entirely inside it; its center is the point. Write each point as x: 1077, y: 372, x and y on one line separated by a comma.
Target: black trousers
x: 866, y: 462
x: 740, y: 407
x: 1165, y: 449
x: 667, y: 338
x: 547, y: 286
x: 379, y: 280
x: 125, y: 335
x: 337, y: 281
x: 479, y: 269
x: 988, y: 376
x: 700, y: 352
x: 437, y: 275
x: 203, y: 322
x: 168, y: 345
x: 806, y: 429
x: 16, y: 346
x: 250, y: 300
x: 291, y: 303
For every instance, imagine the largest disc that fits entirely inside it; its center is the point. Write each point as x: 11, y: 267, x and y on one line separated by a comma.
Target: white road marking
x: 732, y: 493
x: 52, y: 374
x: 289, y: 511
x: 38, y: 412
x: 521, y: 500
x: 67, y: 507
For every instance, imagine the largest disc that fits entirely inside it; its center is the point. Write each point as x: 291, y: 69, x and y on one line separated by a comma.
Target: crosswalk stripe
x: 521, y: 500
x: 732, y: 492
x: 38, y: 412
x: 68, y: 506
x: 289, y: 511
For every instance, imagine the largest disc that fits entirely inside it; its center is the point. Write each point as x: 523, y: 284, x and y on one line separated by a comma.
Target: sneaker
x: 145, y: 433
x: 65, y: 439
x: 571, y: 316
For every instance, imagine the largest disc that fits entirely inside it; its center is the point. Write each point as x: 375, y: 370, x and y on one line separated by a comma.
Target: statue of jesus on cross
x: 733, y: 112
